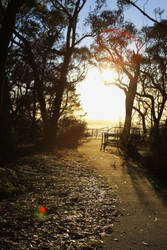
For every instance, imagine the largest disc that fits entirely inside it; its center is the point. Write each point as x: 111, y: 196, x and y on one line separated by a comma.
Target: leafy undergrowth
x: 80, y: 207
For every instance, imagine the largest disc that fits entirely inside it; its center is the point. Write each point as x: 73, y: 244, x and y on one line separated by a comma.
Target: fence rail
x: 110, y: 136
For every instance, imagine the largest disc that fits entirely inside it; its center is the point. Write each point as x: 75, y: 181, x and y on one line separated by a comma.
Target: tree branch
x: 121, y: 87
x: 63, y: 8
x: 85, y: 36
x: 145, y: 14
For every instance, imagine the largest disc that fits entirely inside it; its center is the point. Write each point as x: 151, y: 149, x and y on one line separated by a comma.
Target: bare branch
x: 65, y: 105
x: 85, y: 36
x: 61, y: 6
x: 120, y: 86
x: 145, y: 14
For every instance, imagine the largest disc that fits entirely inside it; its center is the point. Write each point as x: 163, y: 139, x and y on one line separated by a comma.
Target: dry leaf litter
x: 80, y: 206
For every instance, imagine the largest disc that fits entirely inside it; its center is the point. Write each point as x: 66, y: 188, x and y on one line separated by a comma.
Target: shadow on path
x: 141, y: 179
x: 141, y: 203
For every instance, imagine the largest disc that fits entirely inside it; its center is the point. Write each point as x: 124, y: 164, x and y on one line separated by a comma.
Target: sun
x: 109, y: 76
x: 99, y: 101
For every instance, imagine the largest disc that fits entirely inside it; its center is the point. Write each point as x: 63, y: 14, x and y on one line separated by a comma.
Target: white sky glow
x: 99, y: 101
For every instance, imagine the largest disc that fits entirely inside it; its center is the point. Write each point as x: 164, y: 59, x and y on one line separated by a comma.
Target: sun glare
x: 109, y: 76
x: 99, y: 101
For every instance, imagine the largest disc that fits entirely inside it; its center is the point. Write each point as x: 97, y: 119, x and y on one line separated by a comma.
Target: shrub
x: 129, y: 145
x: 158, y: 142
x: 24, y: 131
x: 157, y: 160
x: 71, y: 133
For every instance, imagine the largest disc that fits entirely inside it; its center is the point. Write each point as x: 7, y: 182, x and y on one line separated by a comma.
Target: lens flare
x: 42, y: 209
x: 40, y: 213
x: 117, y: 35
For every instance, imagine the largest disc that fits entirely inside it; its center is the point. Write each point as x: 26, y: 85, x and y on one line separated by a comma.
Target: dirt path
x: 143, y: 224
x: 80, y: 207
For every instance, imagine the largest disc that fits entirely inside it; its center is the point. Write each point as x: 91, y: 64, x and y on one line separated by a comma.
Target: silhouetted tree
x: 49, y: 48
x: 142, y: 109
x: 153, y: 78
x: 8, y: 12
x: 113, y: 50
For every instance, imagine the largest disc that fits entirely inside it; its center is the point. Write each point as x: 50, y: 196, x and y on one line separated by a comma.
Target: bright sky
x: 135, y: 16
x: 101, y: 102
x: 108, y: 102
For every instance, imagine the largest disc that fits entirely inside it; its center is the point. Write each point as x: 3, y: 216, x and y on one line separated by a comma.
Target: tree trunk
x: 38, y: 84
x: 53, y: 124
x: 5, y: 36
x: 144, y: 125
x: 130, y: 96
x: 128, y: 114
x: 6, y: 142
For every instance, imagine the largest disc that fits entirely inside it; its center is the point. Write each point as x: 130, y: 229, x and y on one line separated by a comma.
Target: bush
x: 157, y: 160
x: 71, y: 132
x: 157, y: 136
x: 24, y: 131
x: 158, y: 142
x: 129, y: 145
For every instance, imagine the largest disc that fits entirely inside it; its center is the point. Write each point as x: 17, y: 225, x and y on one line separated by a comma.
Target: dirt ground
x: 143, y: 224
x: 54, y: 201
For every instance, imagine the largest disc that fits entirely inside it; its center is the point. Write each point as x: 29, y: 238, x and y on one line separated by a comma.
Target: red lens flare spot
x: 112, y: 35
x: 42, y: 209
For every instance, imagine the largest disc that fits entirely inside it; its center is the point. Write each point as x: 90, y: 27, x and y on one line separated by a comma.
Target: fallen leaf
x: 145, y: 243
x: 155, y: 219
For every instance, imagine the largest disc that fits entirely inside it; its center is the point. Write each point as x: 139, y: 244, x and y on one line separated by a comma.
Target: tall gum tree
x: 152, y: 89
x: 119, y: 49
x: 56, y: 59
x: 71, y: 11
x: 8, y: 11
x: 36, y: 38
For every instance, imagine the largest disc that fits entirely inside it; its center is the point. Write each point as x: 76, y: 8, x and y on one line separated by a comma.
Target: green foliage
x: 71, y: 132
x: 105, y: 20
x: 123, y: 2
x: 6, y: 189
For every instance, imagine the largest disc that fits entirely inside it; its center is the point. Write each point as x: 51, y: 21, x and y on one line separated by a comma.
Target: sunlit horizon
x: 99, y: 124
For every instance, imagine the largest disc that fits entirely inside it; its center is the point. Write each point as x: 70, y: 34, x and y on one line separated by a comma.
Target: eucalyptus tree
x: 143, y: 115
x: 71, y: 11
x: 23, y: 99
x: 24, y: 104
x: 8, y: 12
x: 117, y: 47
x: 152, y: 91
x: 51, y: 48
x: 36, y: 38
